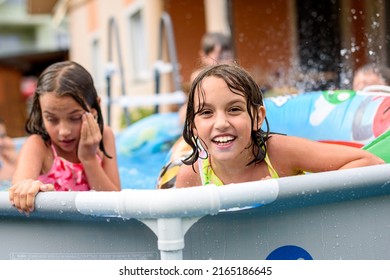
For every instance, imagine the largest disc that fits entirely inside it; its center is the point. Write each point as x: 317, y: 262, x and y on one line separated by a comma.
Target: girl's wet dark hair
x: 65, y: 78
x: 239, y: 82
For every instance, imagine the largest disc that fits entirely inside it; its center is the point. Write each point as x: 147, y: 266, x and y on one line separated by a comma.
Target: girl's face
x: 62, y: 118
x: 223, y: 124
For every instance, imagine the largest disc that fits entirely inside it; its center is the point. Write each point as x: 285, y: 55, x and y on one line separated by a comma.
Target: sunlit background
x: 289, y: 46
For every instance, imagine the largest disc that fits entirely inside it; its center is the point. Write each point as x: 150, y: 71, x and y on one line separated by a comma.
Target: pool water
x: 4, y: 185
x: 143, y: 149
x: 141, y: 173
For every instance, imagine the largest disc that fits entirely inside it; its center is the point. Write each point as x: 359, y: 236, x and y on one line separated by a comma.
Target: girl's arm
x: 291, y: 154
x: 31, y: 158
x: 28, y: 167
x: 105, y: 176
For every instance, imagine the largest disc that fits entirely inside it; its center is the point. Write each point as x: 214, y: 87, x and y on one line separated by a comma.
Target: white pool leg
x: 170, y: 233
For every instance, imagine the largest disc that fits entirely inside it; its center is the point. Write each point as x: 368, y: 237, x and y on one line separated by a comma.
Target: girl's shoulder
x: 35, y: 142
x: 108, y: 133
x: 35, y: 146
x: 109, y: 143
x: 282, y: 147
x: 37, y: 150
x: 275, y: 141
x: 188, y: 177
x: 282, y: 141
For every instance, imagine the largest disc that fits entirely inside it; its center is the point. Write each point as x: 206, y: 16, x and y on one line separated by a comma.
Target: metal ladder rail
x: 113, y: 30
x: 166, y: 24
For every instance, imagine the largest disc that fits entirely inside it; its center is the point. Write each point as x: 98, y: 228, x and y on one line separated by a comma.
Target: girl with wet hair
x: 223, y: 126
x: 70, y: 148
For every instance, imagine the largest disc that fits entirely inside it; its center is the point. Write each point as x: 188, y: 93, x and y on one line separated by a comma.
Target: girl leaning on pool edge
x: 69, y: 148
x: 223, y: 124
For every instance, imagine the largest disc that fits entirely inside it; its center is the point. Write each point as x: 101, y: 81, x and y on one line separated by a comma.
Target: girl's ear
x: 94, y: 113
x: 93, y: 110
x: 194, y: 132
x: 260, y: 117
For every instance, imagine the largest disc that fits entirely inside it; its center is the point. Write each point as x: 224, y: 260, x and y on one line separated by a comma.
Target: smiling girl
x: 69, y: 149
x: 223, y: 123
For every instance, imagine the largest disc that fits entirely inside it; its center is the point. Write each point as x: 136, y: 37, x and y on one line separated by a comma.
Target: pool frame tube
x: 170, y: 213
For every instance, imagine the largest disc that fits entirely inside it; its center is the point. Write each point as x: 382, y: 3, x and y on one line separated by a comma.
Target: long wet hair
x: 65, y: 78
x: 239, y: 82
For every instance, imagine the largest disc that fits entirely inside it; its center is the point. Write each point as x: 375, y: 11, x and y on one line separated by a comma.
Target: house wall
x: 89, y: 24
x: 189, y: 23
x: 264, y: 35
x: 12, y: 104
x: 264, y: 38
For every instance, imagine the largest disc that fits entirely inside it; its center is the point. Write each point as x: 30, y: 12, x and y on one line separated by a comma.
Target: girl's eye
x: 76, y: 118
x: 205, y: 112
x: 236, y: 109
x: 51, y: 119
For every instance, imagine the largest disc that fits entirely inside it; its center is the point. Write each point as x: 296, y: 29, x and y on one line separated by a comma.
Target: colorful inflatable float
x: 342, y: 116
x: 330, y: 215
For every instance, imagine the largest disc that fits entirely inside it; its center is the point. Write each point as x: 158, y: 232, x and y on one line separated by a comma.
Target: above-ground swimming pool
x: 331, y: 215
x: 343, y: 116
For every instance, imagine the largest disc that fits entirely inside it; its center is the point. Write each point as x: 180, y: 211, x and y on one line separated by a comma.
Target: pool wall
x: 332, y: 215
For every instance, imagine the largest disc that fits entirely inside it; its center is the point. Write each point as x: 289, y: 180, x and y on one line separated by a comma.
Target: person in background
x: 371, y: 74
x: 69, y: 147
x: 223, y: 123
x: 216, y: 48
x: 8, y: 154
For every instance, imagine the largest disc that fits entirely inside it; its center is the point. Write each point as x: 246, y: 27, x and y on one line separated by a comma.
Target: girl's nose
x: 64, y: 129
x: 221, y: 121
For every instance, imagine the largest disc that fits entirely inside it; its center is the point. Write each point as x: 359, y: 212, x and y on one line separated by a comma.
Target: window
x: 97, y: 66
x: 139, y: 59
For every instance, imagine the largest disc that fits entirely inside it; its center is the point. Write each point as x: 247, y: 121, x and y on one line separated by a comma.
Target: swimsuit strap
x: 271, y: 169
x: 208, y: 176
x: 54, y: 150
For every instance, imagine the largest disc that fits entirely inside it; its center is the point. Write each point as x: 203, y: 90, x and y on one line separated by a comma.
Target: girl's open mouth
x: 223, y: 140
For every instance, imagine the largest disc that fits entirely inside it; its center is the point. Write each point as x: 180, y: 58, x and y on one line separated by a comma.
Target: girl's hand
x: 90, y: 138
x: 22, y: 194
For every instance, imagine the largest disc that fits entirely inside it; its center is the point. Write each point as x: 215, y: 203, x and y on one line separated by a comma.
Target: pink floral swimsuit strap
x: 66, y: 175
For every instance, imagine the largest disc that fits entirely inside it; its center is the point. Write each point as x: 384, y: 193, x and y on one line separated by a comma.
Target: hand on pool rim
x: 22, y: 194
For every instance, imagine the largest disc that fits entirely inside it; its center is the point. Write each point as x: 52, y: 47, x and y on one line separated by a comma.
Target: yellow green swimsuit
x: 208, y: 176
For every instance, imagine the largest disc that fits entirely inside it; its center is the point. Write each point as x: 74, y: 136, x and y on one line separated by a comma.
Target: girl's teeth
x: 223, y: 139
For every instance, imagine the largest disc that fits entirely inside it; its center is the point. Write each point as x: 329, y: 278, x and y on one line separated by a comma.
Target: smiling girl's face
x: 223, y: 124
x: 62, y: 119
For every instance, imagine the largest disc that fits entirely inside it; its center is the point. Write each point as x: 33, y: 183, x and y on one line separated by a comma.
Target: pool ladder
x: 162, y: 67
x: 110, y: 70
